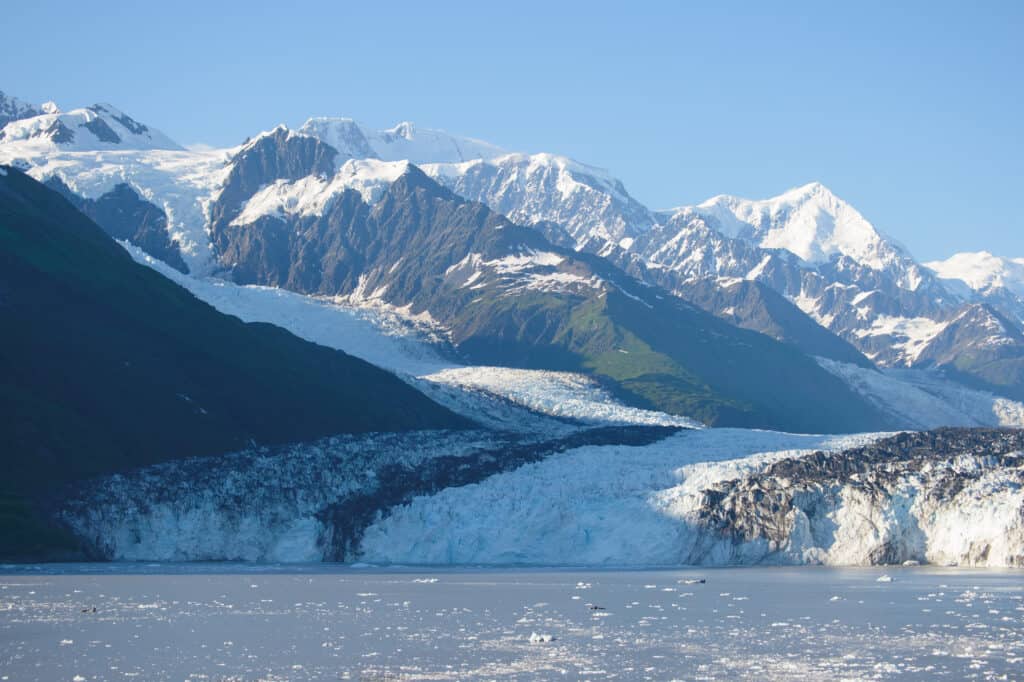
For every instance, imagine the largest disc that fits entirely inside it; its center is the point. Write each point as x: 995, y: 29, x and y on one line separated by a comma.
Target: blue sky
x: 912, y: 113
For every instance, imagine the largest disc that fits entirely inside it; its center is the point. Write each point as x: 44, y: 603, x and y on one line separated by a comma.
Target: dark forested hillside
x: 105, y: 365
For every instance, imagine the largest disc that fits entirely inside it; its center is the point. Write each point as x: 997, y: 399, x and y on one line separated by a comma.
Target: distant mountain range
x: 526, y: 304
x: 763, y: 265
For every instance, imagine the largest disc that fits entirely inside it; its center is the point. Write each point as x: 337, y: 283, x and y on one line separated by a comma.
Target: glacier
x: 246, y: 506
x: 297, y: 503
x: 729, y: 497
x: 414, y: 348
x: 632, y: 496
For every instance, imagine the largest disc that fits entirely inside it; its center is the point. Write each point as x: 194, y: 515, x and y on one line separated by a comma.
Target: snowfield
x: 981, y: 271
x: 181, y: 183
x: 313, y: 195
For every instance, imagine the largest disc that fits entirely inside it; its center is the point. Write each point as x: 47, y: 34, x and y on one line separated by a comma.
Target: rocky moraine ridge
x: 904, y: 499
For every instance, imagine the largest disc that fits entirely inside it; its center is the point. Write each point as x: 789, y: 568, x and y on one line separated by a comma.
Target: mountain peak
x: 404, y: 130
x: 812, y: 190
x: 97, y: 127
x: 982, y: 271
x: 809, y: 221
x: 13, y: 109
x: 403, y: 142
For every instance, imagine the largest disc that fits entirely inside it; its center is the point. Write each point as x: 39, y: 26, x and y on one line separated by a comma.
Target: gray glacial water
x: 260, y: 622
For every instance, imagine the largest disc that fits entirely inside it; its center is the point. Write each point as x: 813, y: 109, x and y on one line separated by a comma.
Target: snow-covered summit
x: 404, y: 142
x: 588, y: 202
x: 95, y: 128
x: 982, y: 271
x: 809, y: 221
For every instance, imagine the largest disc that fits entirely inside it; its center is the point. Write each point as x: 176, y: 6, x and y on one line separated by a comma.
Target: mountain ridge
x: 887, y: 315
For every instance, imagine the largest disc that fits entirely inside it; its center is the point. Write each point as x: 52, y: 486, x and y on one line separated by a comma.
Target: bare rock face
x: 13, y: 109
x: 126, y: 216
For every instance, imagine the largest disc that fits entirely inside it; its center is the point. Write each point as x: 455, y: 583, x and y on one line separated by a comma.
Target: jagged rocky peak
x: 278, y: 154
x: 13, y: 109
x: 97, y: 127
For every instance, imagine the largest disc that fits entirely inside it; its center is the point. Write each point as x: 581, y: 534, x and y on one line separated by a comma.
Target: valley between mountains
x: 336, y: 343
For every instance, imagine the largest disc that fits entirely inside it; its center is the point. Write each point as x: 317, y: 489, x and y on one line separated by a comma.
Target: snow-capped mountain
x: 985, y: 278
x: 98, y: 127
x: 587, y: 202
x: 404, y: 142
x: 778, y: 266
x: 13, y: 109
x: 553, y: 455
x: 287, y: 215
x: 809, y: 221
x: 981, y: 271
x: 818, y: 252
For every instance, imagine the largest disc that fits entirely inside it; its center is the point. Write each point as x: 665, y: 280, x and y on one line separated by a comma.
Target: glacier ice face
x: 950, y: 497
x: 594, y: 505
x: 720, y: 497
x: 305, y: 502
x: 263, y: 505
x: 707, y: 497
